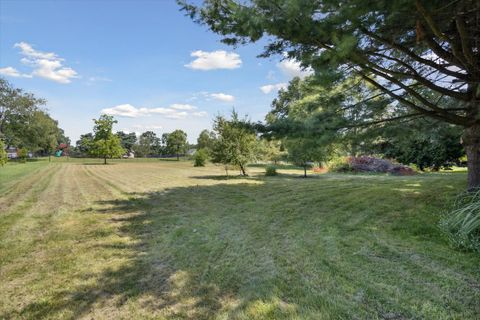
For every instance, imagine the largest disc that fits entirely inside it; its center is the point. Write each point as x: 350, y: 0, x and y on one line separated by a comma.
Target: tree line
x: 147, y: 144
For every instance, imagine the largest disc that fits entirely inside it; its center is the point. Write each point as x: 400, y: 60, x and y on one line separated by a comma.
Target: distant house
x: 129, y: 155
x: 191, y: 152
x: 12, y: 152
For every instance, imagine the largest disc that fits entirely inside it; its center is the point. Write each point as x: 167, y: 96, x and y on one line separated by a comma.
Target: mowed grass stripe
x: 27, y: 194
x: 64, y: 241
x: 14, y: 192
x: 33, y: 222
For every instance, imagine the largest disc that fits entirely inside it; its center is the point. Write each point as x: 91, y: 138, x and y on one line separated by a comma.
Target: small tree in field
x: 3, y: 153
x: 303, y: 150
x: 177, y: 142
x: 105, y: 143
x: 235, y: 144
x: 200, y: 158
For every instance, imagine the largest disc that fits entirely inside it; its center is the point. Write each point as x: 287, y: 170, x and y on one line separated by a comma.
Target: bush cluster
x: 369, y: 164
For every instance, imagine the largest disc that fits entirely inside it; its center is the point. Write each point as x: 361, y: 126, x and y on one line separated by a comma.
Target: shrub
x: 3, y: 154
x: 200, y: 158
x: 22, y: 155
x: 270, y: 171
x: 369, y: 164
x: 462, y: 222
x: 339, y: 165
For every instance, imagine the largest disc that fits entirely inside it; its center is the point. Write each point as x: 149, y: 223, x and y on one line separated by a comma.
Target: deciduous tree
x: 177, y: 143
x: 127, y: 140
x: 235, y: 142
x: 205, y: 140
x: 105, y: 143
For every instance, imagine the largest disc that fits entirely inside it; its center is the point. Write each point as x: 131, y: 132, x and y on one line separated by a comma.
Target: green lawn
x: 164, y: 240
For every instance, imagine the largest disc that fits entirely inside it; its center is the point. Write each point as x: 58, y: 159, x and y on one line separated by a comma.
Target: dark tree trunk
x: 305, y: 171
x: 471, y: 143
x: 178, y: 157
x: 105, y: 160
x: 242, y: 170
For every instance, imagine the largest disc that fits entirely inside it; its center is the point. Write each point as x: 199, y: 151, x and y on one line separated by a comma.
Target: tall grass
x: 462, y: 222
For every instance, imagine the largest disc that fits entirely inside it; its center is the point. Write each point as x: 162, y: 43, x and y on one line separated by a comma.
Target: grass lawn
x: 164, y: 240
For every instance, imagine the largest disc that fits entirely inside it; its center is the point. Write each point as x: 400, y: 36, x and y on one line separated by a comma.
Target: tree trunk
x: 242, y: 170
x: 471, y: 142
x: 105, y: 160
x: 305, y: 171
x: 178, y: 157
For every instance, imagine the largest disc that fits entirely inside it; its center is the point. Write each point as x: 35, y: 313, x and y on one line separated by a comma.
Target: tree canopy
x: 176, y: 143
x: 24, y: 124
x: 105, y: 144
x: 235, y: 142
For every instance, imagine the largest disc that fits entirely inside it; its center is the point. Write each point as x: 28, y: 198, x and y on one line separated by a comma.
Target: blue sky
x: 142, y: 61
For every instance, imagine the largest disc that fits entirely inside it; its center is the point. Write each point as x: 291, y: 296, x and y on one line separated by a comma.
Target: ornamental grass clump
x: 462, y: 222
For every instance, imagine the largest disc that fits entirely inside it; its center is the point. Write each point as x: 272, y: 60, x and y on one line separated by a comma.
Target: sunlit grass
x: 165, y: 240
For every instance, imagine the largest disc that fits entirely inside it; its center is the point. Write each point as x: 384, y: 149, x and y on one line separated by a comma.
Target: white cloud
x: 273, y: 87
x: 292, y: 68
x: 47, y: 65
x: 12, y: 72
x: 174, y: 111
x: 168, y: 113
x: 219, y: 59
x: 126, y: 110
x: 28, y: 51
x: 178, y: 106
x: 222, y: 97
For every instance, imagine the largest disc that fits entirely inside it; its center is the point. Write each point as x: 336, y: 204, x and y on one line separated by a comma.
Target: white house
x: 11, y: 152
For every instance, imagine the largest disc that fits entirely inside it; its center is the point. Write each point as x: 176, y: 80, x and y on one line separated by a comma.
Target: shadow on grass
x: 223, y: 177
x: 251, y: 250
x: 277, y: 166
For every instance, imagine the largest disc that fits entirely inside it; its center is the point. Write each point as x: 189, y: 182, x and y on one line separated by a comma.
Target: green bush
x: 3, y: 154
x: 462, y: 222
x: 200, y: 158
x: 270, y: 171
x: 22, y: 155
x: 339, y: 164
